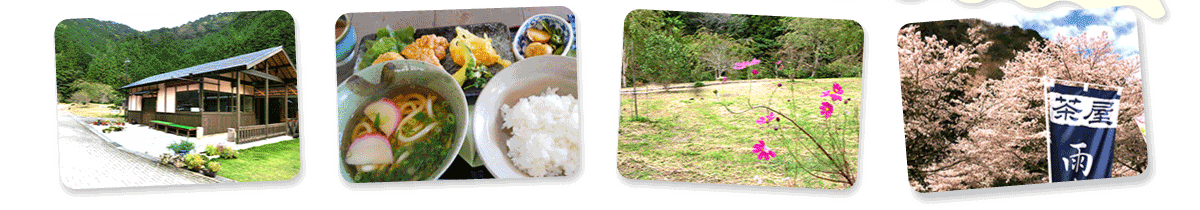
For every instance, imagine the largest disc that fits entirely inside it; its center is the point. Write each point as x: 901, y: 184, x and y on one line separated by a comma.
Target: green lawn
x: 270, y: 162
x: 687, y: 135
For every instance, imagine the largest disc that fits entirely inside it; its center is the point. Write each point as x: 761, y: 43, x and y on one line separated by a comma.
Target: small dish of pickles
x: 543, y: 34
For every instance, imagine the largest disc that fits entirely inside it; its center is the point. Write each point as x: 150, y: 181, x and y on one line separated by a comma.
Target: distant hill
x: 1006, y: 41
x: 207, y: 24
x: 91, y: 34
x: 95, y: 50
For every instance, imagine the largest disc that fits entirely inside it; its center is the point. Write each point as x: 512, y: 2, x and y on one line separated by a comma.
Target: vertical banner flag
x: 1083, y: 125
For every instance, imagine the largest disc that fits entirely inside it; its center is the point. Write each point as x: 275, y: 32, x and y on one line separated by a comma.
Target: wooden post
x: 286, y: 111
x: 267, y: 99
x: 238, y: 112
x: 201, y: 92
x: 287, y: 123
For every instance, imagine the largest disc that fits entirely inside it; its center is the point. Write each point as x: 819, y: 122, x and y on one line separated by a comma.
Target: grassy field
x: 688, y: 135
x: 270, y: 162
x: 93, y: 110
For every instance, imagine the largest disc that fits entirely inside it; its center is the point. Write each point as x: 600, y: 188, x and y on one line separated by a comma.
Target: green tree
x: 824, y: 42
x: 715, y: 53
x: 761, y: 31
x: 90, y: 92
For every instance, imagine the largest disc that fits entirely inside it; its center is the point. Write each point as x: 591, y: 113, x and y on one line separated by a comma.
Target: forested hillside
x: 94, y: 51
x: 664, y: 47
x: 1006, y: 41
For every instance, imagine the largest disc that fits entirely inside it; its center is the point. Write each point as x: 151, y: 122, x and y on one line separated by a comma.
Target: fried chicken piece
x: 433, y: 42
x: 429, y: 57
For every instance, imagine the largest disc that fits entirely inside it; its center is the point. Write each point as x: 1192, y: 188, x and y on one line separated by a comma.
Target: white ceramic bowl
x: 522, y: 79
x: 520, y: 40
x: 372, y: 83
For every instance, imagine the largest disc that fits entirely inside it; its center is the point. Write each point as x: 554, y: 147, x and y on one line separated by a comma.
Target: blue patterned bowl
x: 520, y: 41
x: 345, y: 41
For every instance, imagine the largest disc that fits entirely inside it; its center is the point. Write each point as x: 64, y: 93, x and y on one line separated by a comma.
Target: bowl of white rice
x: 526, y: 121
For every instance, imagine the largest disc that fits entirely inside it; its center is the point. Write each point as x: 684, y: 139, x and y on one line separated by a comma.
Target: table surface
x: 367, y: 23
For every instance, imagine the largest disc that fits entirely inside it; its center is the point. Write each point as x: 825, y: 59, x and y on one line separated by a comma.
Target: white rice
x: 545, y: 131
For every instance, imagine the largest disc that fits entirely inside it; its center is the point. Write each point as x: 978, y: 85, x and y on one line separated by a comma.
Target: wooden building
x: 254, y: 94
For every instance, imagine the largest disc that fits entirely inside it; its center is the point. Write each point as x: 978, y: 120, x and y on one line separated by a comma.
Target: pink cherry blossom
x: 826, y: 109
x: 764, y: 152
x: 998, y: 132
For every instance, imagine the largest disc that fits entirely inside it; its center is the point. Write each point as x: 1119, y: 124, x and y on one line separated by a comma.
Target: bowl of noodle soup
x: 401, y: 120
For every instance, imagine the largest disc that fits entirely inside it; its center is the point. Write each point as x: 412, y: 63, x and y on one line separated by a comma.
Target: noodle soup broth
x: 407, y: 134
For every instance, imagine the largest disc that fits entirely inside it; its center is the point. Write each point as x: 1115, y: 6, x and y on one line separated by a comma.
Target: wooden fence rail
x: 251, y: 133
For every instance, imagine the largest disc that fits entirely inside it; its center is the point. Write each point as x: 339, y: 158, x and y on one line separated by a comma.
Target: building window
x: 186, y: 100
x: 218, y: 101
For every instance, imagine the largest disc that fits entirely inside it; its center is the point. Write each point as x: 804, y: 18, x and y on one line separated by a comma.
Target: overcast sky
x: 144, y: 22
x: 1119, y: 22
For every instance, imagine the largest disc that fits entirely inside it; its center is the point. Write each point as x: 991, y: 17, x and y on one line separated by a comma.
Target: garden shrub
x: 195, y: 161
x: 213, y: 166
x: 227, y: 152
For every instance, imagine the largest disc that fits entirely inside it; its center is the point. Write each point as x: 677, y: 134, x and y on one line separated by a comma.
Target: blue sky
x: 1119, y: 22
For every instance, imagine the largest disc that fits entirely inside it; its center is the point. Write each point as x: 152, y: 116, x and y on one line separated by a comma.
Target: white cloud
x: 1102, y: 13
x: 1045, y: 16
x: 1123, y: 16
x: 1096, y: 30
x: 1060, y: 22
x: 1127, y: 45
x: 1054, y: 31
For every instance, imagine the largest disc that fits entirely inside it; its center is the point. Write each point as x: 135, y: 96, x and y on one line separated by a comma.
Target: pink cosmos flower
x: 722, y: 79
x: 832, y: 96
x: 826, y: 109
x: 837, y: 88
x: 777, y: 62
x: 764, y: 153
x: 766, y: 119
x: 754, y: 71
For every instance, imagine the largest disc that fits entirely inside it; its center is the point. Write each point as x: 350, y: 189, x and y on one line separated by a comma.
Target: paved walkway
x: 143, y: 139
x: 87, y: 161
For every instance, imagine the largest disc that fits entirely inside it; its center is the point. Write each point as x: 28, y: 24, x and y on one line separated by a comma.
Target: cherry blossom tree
x: 933, y: 85
x: 1005, y: 131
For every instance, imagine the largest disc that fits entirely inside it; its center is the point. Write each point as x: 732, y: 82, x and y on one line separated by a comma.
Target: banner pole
x: 1046, y: 83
